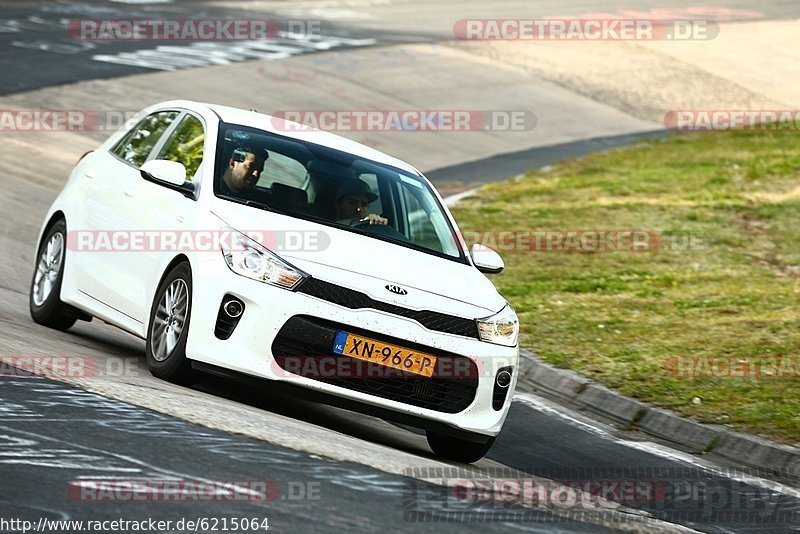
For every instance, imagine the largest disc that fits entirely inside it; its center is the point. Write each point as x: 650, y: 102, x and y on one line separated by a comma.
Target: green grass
x: 618, y: 317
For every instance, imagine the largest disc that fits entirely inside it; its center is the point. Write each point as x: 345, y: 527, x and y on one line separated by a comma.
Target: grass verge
x: 706, y: 321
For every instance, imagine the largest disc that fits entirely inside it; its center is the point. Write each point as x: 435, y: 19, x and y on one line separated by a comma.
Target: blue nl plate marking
x: 341, y: 341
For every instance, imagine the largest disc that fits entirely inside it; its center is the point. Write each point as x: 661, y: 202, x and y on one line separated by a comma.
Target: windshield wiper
x: 263, y: 206
x: 322, y: 220
x: 335, y: 224
x: 382, y: 237
x: 251, y: 203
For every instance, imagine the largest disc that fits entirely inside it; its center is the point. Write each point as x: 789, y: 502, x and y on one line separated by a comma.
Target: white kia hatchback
x: 240, y: 244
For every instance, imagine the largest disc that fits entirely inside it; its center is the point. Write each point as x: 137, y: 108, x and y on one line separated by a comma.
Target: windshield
x: 331, y: 187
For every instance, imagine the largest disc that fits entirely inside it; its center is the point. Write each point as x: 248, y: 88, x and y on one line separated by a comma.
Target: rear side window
x: 137, y: 145
x: 185, y: 145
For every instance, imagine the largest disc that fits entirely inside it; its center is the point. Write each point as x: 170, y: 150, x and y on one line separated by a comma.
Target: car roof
x: 294, y: 130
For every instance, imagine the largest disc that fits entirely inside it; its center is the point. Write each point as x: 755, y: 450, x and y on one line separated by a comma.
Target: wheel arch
x: 174, y: 262
x: 63, y: 315
x: 54, y: 218
x: 58, y: 214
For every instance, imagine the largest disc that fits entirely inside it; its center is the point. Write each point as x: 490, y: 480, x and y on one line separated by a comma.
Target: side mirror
x: 162, y: 170
x: 486, y: 260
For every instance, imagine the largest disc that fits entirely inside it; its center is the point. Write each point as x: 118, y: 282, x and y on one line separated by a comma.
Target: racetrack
x: 366, y: 468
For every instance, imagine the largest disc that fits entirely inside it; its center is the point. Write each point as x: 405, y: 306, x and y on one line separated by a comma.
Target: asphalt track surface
x: 54, y: 434
x: 39, y: 53
x: 68, y: 452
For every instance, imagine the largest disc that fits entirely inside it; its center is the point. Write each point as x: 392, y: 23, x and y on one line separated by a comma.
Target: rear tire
x: 169, y: 328
x: 44, y: 299
x: 457, y: 449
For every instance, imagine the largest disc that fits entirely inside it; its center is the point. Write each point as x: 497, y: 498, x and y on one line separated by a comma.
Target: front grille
x: 350, y: 298
x: 304, y: 346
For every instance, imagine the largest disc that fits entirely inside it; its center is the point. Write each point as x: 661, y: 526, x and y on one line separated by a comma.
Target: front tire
x: 44, y: 301
x: 456, y: 449
x: 169, y: 328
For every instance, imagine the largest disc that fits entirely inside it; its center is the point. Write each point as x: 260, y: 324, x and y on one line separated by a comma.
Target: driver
x: 243, y: 170
x: 352, y: 200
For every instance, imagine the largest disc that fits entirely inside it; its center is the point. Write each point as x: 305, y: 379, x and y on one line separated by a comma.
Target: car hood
x: 367, y: 264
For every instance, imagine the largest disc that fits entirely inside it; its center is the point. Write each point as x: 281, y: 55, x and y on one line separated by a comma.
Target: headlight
x: 501, y: 328
x: 248, y: 258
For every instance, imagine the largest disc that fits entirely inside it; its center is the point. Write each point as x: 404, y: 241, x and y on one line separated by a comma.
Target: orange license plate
x: 395, y: 356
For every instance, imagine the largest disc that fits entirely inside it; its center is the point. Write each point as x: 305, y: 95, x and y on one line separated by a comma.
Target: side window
x: 136, y: 146
x: 186, y: 145
x: 420, y: 228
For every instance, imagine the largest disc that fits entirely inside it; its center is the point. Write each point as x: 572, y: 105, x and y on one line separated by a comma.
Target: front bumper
x: 303, y: 347
x: 277, y: 322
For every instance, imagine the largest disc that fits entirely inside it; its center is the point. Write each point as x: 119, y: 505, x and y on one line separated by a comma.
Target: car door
x: 158, y: 210
x: 110, y: 210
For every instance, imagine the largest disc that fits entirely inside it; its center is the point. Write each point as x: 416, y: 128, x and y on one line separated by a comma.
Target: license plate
x: 371, y: 350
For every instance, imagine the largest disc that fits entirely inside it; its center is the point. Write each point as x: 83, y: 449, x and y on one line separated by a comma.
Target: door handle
x: 128, y: 193
x: 89, y: 175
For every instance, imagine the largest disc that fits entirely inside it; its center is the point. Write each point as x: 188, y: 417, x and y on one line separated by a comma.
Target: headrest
x: 288, y: 195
